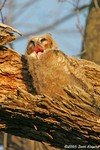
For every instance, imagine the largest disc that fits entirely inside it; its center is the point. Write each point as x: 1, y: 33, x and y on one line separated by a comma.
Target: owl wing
x: 73, y: 74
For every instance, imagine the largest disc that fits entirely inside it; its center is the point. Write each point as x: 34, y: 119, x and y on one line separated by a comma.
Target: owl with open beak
x: 47, y: 65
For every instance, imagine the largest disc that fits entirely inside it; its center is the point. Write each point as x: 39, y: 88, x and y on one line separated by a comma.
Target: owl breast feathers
x: 47, y: 66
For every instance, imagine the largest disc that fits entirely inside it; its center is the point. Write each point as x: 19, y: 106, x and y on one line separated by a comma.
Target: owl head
x: 37, y: 45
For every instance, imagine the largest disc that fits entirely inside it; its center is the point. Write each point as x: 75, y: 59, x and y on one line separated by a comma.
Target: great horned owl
x: 47, y: 65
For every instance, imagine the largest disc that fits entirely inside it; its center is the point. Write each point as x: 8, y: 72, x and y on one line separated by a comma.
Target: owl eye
x: 43, y: 40
x: 32, y: 43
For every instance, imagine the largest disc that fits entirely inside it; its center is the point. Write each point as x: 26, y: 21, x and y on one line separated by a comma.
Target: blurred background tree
x: 62, y: 18
x: 75, y: 25
x: 91, y: 46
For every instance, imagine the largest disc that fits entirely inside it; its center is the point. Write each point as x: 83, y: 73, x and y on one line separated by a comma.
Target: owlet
x: 47, y: 65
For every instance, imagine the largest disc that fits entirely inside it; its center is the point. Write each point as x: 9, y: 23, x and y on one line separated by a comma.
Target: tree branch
x: 55, y: 121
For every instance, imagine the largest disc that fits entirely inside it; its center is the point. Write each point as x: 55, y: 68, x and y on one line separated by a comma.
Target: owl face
x: 37, y: 45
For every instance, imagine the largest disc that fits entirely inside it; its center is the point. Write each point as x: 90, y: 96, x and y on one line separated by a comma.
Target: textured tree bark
x: 59, y: 122
x: 92, y: 34
x: 13, y: 73
x: 11, y: 142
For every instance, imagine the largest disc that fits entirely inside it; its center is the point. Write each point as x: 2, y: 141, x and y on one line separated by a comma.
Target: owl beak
x: 34, y: 49
x: 38, y: 49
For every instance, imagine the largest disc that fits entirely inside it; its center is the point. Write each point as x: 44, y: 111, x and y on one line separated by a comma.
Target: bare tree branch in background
x: 45, y: 28
x: 96, y: 4
x: 1, y: 7
x: 80, y: 27
x: 54, y: 24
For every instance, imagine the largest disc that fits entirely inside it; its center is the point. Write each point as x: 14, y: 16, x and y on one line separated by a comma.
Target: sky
x: 39, y: 14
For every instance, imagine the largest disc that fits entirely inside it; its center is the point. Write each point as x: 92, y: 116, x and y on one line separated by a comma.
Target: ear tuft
x: 54, y: 44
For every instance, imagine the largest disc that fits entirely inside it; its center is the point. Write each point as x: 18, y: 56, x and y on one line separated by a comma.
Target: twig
x: 82, y: 7
x: 2, y: 19
x: 96, y: 4
x: 71, y: 2
x: 80, y: 28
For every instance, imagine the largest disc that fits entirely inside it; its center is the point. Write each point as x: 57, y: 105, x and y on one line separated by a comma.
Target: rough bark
x: 11, y: 142
x: 58, y: 122
x: 92, y: 34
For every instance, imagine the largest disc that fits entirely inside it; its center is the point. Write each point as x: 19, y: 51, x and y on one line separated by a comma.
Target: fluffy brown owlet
x: 47, y: 65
